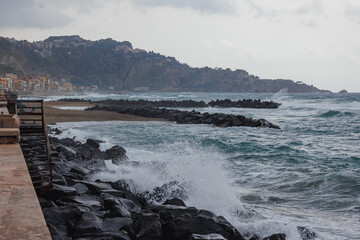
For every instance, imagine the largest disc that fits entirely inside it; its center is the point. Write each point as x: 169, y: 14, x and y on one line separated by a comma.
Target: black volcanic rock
x: 186, y: 117
x: 180, y: 223
x: 83, y: 209
x: 175, y: 202
x: 226, y: 103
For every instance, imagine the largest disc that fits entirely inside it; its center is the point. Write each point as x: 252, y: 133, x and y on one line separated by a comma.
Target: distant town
x: 38, y: 84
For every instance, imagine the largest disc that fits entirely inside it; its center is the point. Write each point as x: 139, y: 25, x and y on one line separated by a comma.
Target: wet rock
x: 59, y: 179
x: 59, y: 191
x: 118, y: 211
x: 147, y: 226
x: 130, y: 205
x: 116, y: 154
x: 174, y: 201
x: 94, y: 143
x: 169, y: 190
x: 116, y: 224
x: 79, y: 170
x: 212, y: 236
x: 88, y: 223
x: 91, y: 201
x: 121, y: 185
x: 103, y: 236
x: 95, y: 188
x: 306, y: 233
x: 185, y: 117
x: 64, y: 218
x: 181, y: 222
x: 278, y: 236
x: 81, y: 188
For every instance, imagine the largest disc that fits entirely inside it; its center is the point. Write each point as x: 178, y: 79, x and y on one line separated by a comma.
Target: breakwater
x: 79, y: 207
x: 189, y: 117
x: 225, y: 103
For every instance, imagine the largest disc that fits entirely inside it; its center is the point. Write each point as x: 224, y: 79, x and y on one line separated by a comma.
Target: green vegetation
x: 108, y: 63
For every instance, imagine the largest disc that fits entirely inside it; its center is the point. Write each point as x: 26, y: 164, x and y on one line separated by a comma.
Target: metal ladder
x: 34, y: 142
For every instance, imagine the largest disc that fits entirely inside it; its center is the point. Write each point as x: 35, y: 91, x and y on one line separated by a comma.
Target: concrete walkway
x: 20, y: 212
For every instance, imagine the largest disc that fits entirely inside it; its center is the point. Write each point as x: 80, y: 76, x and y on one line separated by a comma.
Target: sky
x: 313, y: 41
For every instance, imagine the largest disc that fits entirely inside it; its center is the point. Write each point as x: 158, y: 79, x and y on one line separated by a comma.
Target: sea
x: 262, y: 180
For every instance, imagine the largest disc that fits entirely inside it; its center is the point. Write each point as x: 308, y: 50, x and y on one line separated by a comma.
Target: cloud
x: 314, y: 8
x: 202, y: 6
x: 31, y: 14
x: 262, y: 11
x: 353, y: 13
x: 310, y: 23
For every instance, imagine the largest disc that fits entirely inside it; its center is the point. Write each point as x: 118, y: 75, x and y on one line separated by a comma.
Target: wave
x: 334, y: 113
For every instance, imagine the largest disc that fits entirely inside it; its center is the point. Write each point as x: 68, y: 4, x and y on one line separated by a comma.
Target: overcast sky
x: 314, y: 41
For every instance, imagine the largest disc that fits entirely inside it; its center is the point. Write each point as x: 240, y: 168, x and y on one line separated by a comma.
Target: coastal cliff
x: 113, y: 65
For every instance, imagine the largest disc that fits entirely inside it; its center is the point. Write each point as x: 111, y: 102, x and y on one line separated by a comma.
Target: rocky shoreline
x: 226, y: 103
x: 189, y: 117
x: 79, y: 208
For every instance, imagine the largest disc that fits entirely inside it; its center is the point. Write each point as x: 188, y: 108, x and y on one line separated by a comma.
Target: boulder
x: 91, y: 201
x: 277, y: 236
x: 79, y: 170
x: 211, y: 236
x: 94, y: 143
x: 147, y: 226
x: 181, y: 222
x: 116, y: 154
x: 95, y: 188
x: 88, y: 223
x: 63, y: 219
x: 306, y: 233
x: 175, y: 202
x: 59, y: 191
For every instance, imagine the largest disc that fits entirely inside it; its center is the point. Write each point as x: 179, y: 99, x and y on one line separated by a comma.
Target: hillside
x: 117, y: 65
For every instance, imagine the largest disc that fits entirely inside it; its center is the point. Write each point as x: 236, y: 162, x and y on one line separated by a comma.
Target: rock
x: 80, y: 188
x: 80, y: 170
x: 147, y: 226
x: 255, y: 237
x: 181, y: 222
x: 59, y: 191
x: 59, y: 179
x: 343, y: 91
x: 116, y: 154
x: 278, y: 236
x: 45, y: 203
x: 63, y: 219
x: 91, y: 201
x: 130, y: 205
x: 95, y: 188
x: 212, y: 236
x: 88, y: 223
x: 306, y: 233
x: 121, y: 185
x: 174, y: 201
x: 185, y: 117
x: 116, y: 224
x: 58, y: 233
x: 94, y: 143
x: 109, y: 210
x: 169, y: 190
x: 118, y: 211
x: 104, y: 236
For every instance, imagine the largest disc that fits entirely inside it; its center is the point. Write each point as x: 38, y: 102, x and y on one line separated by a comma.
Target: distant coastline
x: 107, y: 64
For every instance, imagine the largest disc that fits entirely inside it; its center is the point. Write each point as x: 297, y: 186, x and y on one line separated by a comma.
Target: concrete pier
x: 20, y: 212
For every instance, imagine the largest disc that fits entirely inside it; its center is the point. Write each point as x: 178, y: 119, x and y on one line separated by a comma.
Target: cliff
x: 108, y: 63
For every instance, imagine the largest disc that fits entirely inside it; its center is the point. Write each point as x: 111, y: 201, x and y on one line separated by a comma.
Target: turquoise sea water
x: 262, y: 180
